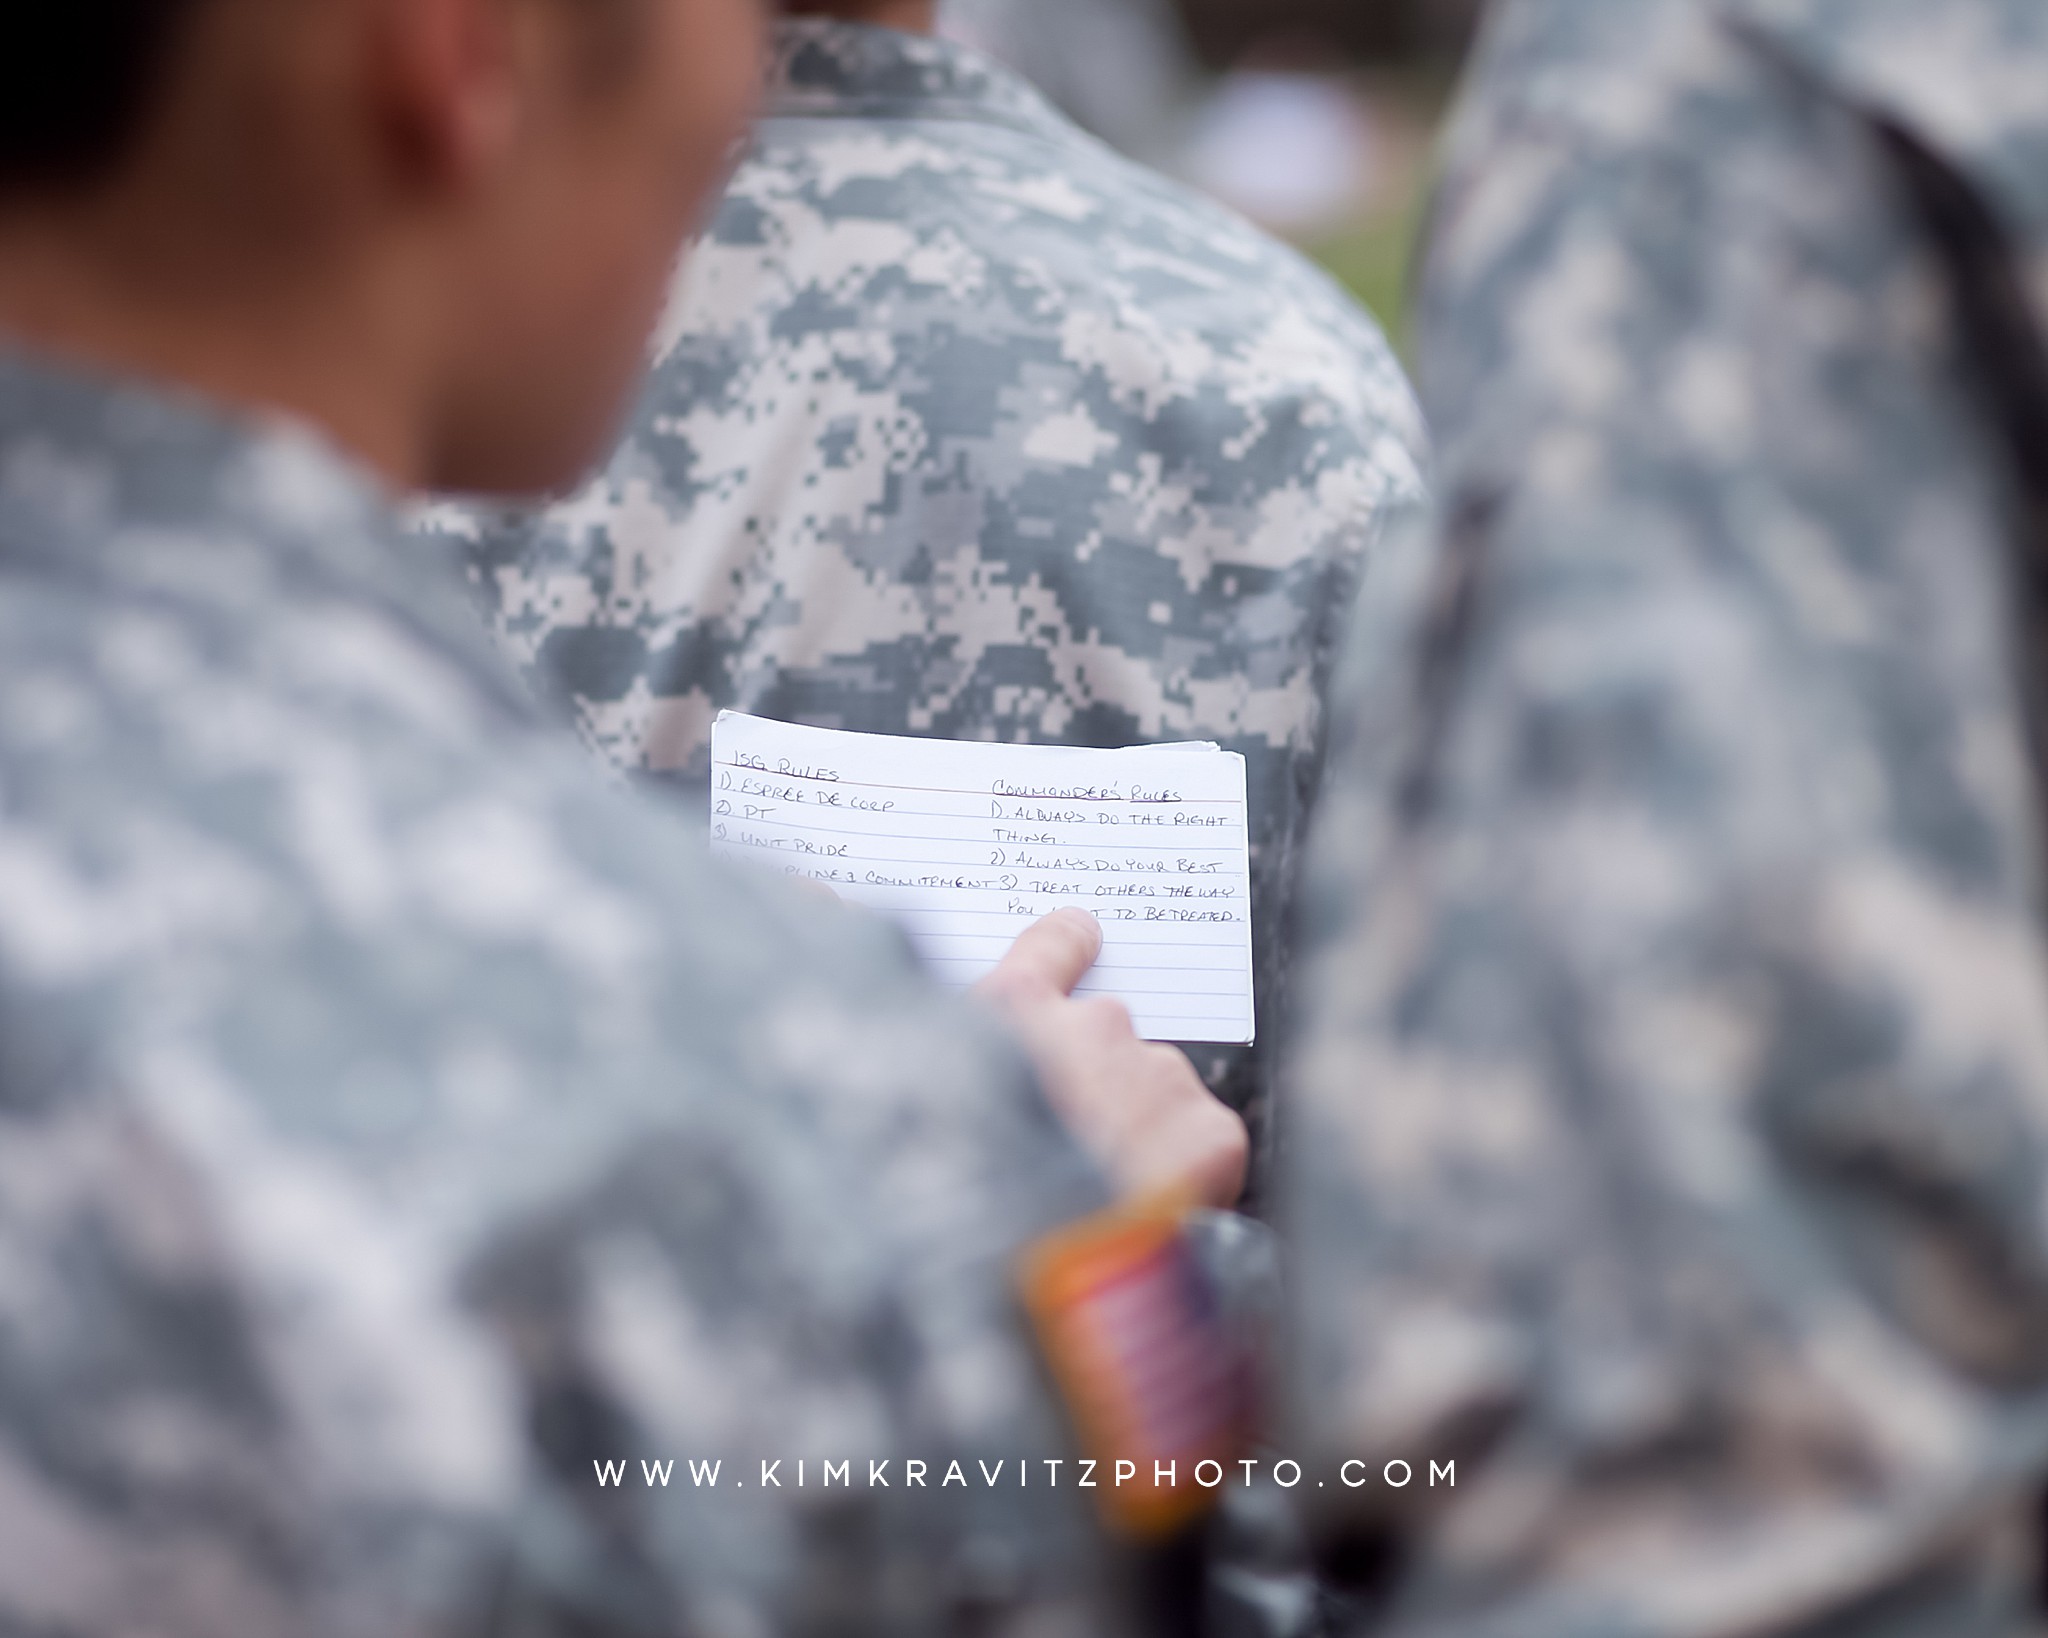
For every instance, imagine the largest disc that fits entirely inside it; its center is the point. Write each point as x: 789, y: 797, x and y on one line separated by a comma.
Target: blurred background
x: 1317, y: 118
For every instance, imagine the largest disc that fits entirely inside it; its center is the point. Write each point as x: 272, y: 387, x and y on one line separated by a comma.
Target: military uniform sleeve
x: 575, y: 1363
x: 436, y: 1200
x: 1670, y: 1130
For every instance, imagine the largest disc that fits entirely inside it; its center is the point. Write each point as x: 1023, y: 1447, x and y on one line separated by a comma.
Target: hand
x: 1138, y: 1107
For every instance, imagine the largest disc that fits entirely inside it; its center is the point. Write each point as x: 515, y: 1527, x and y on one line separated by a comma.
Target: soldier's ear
x: 449, y: 80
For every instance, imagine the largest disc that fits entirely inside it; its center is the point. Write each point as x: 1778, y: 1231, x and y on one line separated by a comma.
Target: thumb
x: 1049, y: 959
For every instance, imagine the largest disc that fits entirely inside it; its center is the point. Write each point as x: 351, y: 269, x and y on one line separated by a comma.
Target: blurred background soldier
x: 963, y: 426
x: 1119, y: 68
x: 1673, y: 1150
x: 396, y: 1121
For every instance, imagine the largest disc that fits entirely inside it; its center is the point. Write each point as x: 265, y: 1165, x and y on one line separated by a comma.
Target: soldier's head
x: 443, y: 228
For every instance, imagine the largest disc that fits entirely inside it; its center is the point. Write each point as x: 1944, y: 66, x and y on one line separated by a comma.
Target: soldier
x: 1673, y: 1091
x: 961, y: 425
x: 1121, y: 69
x: 397, y: 1121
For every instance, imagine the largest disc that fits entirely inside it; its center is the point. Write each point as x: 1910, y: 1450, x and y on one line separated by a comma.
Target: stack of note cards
x: 966, y: 844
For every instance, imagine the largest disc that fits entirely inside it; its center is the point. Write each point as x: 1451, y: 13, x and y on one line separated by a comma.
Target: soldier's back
x: 398, y: 1122
x: 962, y: 425
x: 1674, y: 1086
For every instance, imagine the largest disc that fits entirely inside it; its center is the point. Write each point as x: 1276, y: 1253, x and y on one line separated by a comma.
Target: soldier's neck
x: 911, y: 16
x: 128, y: 295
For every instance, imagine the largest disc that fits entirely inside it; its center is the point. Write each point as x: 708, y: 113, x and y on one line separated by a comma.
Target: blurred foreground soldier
x: 397, y: 1123
x: 1674, y: 1139
x: 963, y: 426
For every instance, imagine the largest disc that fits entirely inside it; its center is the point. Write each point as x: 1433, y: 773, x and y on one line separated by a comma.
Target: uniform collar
x: 98, y: 451
x: 1964, y: 76
x: 826, y: 69
x: 98, y: 472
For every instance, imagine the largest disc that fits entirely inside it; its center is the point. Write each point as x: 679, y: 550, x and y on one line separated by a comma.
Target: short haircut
x: 77, y: 80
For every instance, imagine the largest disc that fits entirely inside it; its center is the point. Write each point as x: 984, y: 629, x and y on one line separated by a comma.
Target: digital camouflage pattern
x: 394, y: 1119
x: 963, y: 426
x: 1673, y: 1098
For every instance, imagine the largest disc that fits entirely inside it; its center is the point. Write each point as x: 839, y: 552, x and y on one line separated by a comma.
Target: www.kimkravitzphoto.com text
x: 1083, y: 1473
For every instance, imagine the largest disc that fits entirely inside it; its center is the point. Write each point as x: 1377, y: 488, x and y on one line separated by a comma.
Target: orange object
x: 1158, y: 1392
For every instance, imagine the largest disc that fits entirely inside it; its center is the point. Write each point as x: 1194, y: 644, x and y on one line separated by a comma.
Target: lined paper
x: 966, y: 844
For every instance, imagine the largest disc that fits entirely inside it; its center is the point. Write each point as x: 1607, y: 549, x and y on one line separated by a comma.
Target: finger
x: 1107, y: 1020
x: 1220, y: 1178
x: 1203, y: 1149
x: 1049, y: 959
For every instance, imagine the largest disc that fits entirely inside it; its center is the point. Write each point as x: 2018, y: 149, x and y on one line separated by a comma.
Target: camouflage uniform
x: 1673, y: 1094
x: 397, y: 1119
x: 964, y: 426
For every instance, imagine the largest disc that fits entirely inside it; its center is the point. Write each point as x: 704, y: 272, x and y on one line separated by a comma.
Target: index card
x: 966, y: 844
